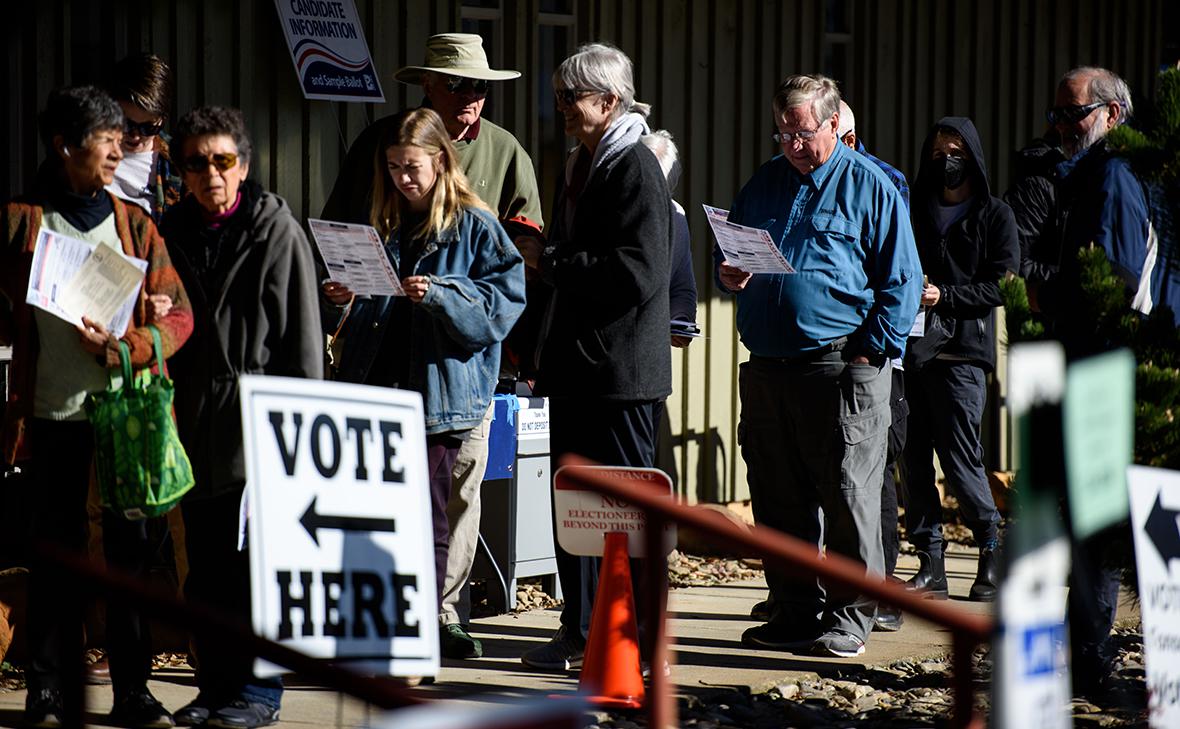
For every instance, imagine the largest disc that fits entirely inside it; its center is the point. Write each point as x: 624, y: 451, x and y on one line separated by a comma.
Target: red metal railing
x: 967, y: 629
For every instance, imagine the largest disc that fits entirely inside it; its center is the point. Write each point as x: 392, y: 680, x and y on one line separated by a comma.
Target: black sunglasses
x: 569, y: 97
x: 457, y: 83
x: 142, y: 129
x: 199, y: 163
x: 1071, y: 114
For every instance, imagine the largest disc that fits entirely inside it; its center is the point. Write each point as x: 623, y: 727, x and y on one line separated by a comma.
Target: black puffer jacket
x: 977, y: 251
x: 1033, y: 199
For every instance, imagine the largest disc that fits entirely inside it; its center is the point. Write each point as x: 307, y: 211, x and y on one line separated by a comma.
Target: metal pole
x: 661, y: 706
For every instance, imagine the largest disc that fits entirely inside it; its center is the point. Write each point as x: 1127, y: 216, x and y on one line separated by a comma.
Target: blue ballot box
x: 516, y: 518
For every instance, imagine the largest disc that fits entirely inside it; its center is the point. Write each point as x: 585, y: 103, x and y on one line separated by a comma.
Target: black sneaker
x: 779, y: 636
x: 140, y: 709
x: 195, y: 712
x: 43, y: 708
x: 456, y: 642
x: 242, y: 714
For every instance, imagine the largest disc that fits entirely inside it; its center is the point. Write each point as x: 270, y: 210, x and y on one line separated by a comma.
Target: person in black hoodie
x: 967, y: 242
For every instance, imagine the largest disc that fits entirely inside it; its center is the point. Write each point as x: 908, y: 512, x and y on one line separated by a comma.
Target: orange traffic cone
x: 611, y: 675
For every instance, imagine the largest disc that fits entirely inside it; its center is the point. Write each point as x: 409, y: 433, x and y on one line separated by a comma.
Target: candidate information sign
x: 328, y: 48
x: 338, y: 522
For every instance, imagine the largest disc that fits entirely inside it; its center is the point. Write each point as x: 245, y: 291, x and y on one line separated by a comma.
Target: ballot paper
x: 682, y: 328
x: 919, y: 327
x: 66, y: 283
x: 750, y: 249
x: 355, y: 257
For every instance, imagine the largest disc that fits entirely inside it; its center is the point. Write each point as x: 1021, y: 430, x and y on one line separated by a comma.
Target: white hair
x: 847, y: 120
x: 800, y: 90
x: 663, y: 147
x: 1103, y: 85
x: 605, y: 69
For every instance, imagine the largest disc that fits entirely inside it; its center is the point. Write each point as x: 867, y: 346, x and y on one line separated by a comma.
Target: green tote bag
x: 142, y: 468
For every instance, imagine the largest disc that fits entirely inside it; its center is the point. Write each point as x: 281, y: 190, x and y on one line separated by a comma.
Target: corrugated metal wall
x: 707, y: 66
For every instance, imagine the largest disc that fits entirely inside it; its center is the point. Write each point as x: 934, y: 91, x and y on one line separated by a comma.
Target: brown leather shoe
x: 98, y: 673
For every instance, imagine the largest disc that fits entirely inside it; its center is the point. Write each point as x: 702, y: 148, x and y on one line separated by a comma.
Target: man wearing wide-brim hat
x: 455, y: 78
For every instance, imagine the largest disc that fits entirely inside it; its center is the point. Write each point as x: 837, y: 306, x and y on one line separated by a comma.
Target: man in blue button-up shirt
x: 815, y: 393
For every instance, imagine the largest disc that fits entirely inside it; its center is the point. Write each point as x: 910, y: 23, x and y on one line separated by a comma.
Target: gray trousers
x: 813, y: 436
x: 463, y: 515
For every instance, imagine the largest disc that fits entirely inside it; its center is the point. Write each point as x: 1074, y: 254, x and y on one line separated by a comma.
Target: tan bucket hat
x: 455, y: 54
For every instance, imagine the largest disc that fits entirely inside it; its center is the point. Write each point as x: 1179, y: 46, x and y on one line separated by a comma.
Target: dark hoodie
x: 968, y: 262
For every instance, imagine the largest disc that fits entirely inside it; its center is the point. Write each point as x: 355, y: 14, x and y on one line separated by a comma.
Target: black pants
x: 1093, y: 601
x: 946, y: 409
x: 900, y: 409
x: 611, y: 433
x: 219, y: 579
x: 60, y: 478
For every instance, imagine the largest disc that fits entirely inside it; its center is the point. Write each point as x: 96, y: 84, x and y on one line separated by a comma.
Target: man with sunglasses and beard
x: 1099, y: 202
x: 455, y: 79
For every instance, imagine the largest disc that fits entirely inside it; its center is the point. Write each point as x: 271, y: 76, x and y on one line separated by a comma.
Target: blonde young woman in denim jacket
x: 464, y: 284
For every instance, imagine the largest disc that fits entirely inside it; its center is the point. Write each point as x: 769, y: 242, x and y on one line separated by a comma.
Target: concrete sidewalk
x: 706, y: 624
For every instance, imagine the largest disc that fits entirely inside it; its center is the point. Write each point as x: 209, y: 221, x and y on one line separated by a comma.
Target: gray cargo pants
x: 813, y: 435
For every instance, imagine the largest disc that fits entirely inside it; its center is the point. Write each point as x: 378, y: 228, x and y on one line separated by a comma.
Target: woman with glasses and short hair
x: 56, y: 364
x: 604, y: 358
x: 142, y: 84
x: 245, y: 260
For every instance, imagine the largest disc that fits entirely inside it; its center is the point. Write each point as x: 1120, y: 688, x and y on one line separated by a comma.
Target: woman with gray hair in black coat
x: 604, y: 360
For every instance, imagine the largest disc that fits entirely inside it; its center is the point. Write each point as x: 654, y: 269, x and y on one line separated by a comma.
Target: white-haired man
x: 815, y: 393
x: 1099, y: 202
x: 455, y: 80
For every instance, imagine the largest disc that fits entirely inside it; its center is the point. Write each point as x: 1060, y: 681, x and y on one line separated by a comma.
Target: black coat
x: 977, y: 251
x: 1033, y: 199
x: 607, y: 336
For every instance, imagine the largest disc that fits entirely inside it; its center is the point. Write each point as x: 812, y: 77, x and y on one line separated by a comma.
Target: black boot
x: 984, y: 589
x: 930, y: 581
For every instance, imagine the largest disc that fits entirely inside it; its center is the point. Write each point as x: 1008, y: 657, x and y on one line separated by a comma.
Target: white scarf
x: 132, y: 178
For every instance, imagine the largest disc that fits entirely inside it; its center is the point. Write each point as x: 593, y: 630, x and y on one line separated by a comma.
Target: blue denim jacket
x: 475, y: 295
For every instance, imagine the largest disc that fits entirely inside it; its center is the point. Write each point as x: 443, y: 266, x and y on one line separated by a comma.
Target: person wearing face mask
x: 967, y: 242
x: 142, y: 85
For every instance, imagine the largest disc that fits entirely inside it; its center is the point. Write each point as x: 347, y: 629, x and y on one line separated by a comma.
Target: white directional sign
x: 584, y: 517
x: 1155, y: 504
x: 339, y: 525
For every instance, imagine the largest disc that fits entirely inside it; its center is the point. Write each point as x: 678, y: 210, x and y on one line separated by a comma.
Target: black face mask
x: 954, y: 171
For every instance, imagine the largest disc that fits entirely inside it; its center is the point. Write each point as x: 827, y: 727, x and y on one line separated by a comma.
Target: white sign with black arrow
x: 1155, y: 505
x: 339, y: 524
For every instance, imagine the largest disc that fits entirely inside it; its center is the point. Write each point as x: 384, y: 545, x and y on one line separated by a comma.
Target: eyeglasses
x: 569, y: 97
x: 803, y: 135
x: 142, y: 129
x: 198, y: 163
x: 1071, y: 114
x: 455, y: 84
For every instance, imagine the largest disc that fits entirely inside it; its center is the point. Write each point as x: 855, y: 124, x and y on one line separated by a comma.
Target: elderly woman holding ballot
x: 604, y: 359
x: 55, y: 365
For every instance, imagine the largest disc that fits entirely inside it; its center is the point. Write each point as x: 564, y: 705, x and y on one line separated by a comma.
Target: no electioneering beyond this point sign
x: 339, y: 525
x: 584, y: 517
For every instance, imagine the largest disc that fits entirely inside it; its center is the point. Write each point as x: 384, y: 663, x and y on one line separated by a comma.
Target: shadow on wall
x: 709, y: 483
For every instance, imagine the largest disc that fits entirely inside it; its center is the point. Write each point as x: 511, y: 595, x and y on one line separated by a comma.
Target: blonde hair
x: 451, y: 193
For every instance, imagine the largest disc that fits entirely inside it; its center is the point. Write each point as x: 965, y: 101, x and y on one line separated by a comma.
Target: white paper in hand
x: 355, y: 258
x: 56, y: 287
x: 749, y: 249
